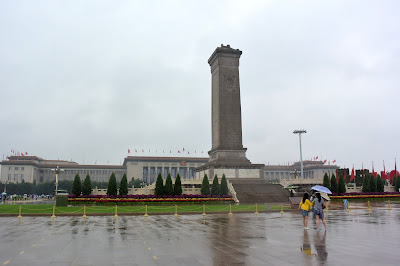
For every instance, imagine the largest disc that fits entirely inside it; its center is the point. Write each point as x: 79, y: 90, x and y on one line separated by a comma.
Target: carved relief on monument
x: 229, y: 80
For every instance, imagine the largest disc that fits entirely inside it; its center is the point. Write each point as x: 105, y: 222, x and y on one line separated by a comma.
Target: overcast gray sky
x: 86, y: 80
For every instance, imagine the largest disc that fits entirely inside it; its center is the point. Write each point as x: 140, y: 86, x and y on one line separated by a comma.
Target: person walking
x: 305, y: 208
x: 319, y: 206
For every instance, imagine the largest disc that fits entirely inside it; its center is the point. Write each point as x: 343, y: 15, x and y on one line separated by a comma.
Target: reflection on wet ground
x: 357, y: 236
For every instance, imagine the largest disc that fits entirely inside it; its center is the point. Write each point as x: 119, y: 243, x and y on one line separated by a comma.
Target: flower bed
x: 365, y: 195
x: 148, y: 199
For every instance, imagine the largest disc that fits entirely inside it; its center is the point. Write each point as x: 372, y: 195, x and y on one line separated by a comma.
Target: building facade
x: 32, y: 168
x: 314, y: 172
x: 148, y: 168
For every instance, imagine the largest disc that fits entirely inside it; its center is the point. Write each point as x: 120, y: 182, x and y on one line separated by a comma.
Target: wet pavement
x: 361, y: 237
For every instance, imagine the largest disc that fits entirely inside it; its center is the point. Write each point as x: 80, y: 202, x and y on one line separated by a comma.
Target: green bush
x: 215, y: 186
x: 326, y: 181
x: 372, y: 184
x: 380, y: 187
x: 205, y: 186
x: 341, y: 185
x: 159, y: 188
x: 87, y: 186
x: 112, y: 186
x: 123, y: 186
x: 77, y: 186
x: 334, y: 186
x: 366, y: 184
x: 178, y: 186
x: 224, y: 186
x: 168, y: 189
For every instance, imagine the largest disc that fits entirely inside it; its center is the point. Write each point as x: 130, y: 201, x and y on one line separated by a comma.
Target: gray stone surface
x: 358, y: 237
x: 227, y: 150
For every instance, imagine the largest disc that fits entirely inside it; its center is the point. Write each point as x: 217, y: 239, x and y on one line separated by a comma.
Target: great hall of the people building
x: 29, y: 168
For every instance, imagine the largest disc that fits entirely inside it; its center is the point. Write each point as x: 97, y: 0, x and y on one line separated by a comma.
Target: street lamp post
x: 301, y: 131
x: 58, y: 171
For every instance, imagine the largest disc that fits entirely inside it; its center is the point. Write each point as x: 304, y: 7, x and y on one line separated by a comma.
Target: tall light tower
x: 301, y: 131
x: 58, y: 171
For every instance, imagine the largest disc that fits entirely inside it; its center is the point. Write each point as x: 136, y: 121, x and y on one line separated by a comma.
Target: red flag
x: 179, y: 152
x: 188, y: 152
x: 316, y: 158
x: 352, y: 174
x: 129, y: 151
x: 334, y: 161
x: 384, y: 175
x: 26, y: 153
x: 183, y: 149
x: 324, y: 161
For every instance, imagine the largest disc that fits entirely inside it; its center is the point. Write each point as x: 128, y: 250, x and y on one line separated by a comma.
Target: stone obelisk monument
x: 227, y: 155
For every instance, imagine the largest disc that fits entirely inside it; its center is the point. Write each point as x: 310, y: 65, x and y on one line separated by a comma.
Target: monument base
x: 230, y: 171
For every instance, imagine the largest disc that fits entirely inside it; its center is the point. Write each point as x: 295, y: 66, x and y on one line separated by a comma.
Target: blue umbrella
x: 321, y: 189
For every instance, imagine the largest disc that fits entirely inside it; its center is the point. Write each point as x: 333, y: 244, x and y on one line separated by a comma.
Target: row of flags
x: 17, y: 153
x: 315, y: 158
x: 163, y: 151
x: 384, y: 175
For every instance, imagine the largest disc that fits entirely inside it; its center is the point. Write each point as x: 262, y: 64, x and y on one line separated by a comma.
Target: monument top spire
x: 224, y: 50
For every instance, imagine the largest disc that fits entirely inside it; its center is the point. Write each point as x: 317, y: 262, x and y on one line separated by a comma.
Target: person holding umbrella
x: 305, y: 208
x: 319, y: 207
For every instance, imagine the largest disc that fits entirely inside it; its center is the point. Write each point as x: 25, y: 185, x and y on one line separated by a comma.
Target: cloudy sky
x: 86, y: 80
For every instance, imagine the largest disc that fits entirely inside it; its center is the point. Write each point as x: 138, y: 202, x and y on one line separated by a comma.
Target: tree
x: 123, y: 186
x: 112, y: 186
x: 87, y: 186
x: 224, y: 186
x: 178, y: 186
x: 334, y: 186
x: 366, y: 183
x: 380, y: 186
x: 215, y: 186
x: 397, y: 183
x: 76, y: 186
x: 159, y: 189
x: 341, y: 185
x: 168, y: 189
x: 326, y: 181
x: 372, y: 184
x: 205, y: 186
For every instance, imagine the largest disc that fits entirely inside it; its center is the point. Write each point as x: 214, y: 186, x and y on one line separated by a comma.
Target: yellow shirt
x: 305, y: 206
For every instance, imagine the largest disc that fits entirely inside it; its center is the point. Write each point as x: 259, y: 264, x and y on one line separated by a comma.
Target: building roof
x: 165, y: 159
x: 296, y: 166
x: 42, y: 163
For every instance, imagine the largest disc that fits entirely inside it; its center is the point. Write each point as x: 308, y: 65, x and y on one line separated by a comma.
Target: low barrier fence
x: 145, y: 210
